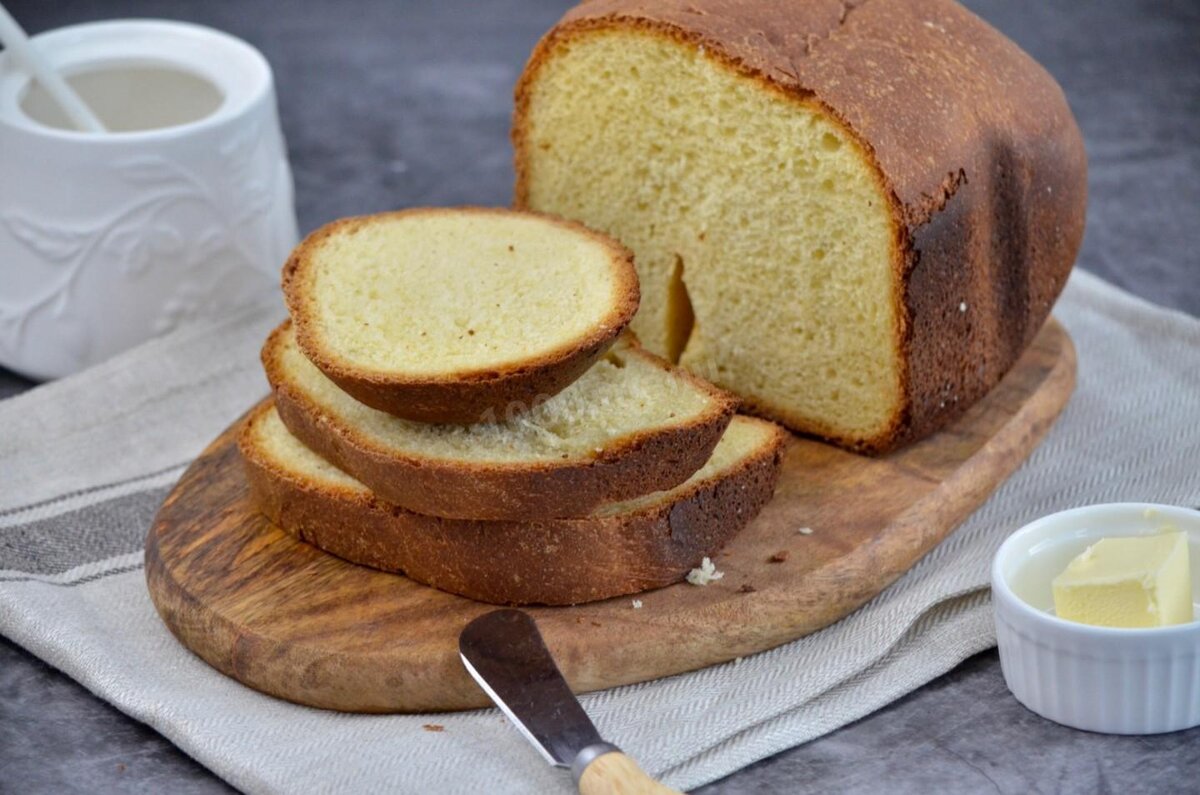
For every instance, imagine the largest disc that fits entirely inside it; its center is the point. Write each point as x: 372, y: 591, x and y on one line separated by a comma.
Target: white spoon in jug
x: 21, y: 49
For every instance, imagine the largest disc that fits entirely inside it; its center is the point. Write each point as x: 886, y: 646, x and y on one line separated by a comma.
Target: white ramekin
x: 1118, y: 681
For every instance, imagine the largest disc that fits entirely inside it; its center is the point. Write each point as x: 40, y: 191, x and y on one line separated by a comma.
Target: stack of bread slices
x: 455, y: 398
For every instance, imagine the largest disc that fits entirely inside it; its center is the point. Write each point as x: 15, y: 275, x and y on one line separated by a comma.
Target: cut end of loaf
x: 764, y: 239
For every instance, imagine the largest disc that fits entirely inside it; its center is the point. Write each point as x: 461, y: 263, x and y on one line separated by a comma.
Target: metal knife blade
x: 504, y: 652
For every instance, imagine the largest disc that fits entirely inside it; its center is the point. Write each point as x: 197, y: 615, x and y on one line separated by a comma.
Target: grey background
x: 387, y: 104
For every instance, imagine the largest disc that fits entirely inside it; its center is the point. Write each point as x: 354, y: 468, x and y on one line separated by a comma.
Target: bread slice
x: 632, y: 424
x: 620, y: 548
x: 457, y: 315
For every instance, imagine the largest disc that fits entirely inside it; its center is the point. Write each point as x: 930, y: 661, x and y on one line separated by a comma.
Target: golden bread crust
x: 653, y: 460
x: 974, y: 146
x: 559, y: 561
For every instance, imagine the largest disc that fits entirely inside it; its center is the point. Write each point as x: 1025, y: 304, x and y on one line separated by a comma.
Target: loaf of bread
x: 457, y: 314
x: 856, y: 215
x: 632, y: 424
x: 621, y: 548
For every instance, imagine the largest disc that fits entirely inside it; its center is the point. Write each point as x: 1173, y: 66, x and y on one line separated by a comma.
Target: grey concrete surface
x: 386, y: 104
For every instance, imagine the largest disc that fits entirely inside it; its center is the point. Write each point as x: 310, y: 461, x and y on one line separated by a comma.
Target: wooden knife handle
x: 616, y: 774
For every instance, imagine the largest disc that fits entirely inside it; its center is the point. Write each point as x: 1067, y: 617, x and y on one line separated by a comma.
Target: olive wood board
x: 287, y: 619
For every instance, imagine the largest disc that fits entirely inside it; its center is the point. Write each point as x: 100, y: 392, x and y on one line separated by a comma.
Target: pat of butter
x: 1141, y: 581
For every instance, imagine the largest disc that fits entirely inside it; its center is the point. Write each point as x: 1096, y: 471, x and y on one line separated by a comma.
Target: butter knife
x: 504, y: 652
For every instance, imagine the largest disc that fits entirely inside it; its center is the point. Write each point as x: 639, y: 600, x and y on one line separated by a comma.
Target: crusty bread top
x: 267, y: 441
x: 977, y: 155
x: 446, y: 295
x: 931, y: 88
x: 624, y: 398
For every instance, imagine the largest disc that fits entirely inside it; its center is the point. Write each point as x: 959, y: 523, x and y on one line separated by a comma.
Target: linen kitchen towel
x: 85, y: 462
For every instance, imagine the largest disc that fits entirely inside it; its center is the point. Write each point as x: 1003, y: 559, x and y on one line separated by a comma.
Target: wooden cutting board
x: 289, y: 620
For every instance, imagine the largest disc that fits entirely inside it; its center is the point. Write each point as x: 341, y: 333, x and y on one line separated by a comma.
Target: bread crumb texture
x: 273, y: 442
x: 621, y: 395
x: 705, y: 573
x: 270, y: 437
x: 730, y: 196
x: 430, y: 293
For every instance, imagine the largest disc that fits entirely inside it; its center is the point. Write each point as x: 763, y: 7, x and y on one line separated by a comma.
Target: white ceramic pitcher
x: 182, y: 210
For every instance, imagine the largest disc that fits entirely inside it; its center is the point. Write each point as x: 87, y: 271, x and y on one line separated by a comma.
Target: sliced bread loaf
x: 457, y: 315
x: 620, y: 548
x: 856, y: 215
x: 632, y: 424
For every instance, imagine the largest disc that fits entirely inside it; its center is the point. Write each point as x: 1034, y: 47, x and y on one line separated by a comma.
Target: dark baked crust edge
x: 551, y: 561
x: 653, y: 460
